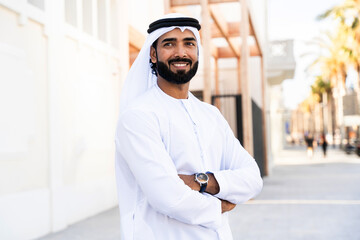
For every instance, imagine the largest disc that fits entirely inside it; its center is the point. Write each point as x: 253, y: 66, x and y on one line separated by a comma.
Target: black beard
x: 180, y: 77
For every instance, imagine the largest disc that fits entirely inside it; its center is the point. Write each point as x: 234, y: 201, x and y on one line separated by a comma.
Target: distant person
x: 309, y: 140
x: 324, y: 144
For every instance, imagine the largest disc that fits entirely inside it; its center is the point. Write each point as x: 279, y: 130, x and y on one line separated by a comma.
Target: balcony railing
x: 281, y: 62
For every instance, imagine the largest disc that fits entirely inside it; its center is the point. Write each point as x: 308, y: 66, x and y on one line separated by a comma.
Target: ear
x: 153, y: 54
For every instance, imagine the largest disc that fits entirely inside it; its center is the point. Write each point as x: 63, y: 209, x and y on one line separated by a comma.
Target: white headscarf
x: 140, y: 77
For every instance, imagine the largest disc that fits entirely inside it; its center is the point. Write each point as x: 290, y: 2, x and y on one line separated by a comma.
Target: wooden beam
x: 136, y: 39
x: 255, y: 51
x: 133, y: 49
x: 254, y: 34
x: 167, y: 6
x: 245, y: 81
x: 217, y: 84
x: 206, y: 40
x: 132, y: 57
x: 183, y: 10
x: 219, y: 20
x: 264, y: 115
x: 226, y: 52
x: 233, y: 30
x: 222, y: 25
x: 239, y: 75
x: 214, y: 51
x: 175, y: 3
x: 215, y: 32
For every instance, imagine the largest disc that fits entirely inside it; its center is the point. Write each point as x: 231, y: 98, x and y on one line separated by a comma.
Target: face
x: 176, y: 56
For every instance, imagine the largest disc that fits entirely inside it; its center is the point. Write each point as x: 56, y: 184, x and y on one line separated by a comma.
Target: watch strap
x: 203, y: 187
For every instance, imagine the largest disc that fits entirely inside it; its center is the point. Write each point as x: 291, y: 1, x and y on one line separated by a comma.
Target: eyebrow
x: 174, y: 39
x: 189, y: 39
x: 168, y: 40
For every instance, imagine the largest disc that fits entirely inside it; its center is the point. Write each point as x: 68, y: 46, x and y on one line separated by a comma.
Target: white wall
x: 59, y: 93
x: 24, y: 197
x: 276, y: 120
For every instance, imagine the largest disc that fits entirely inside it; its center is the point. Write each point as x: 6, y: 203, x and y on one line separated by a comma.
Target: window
x: 114, y: 25
x: 70, y: 12
x: 87, y: 16
x: 278, y: 49
x: 101, y: 18
x: 37, y: 3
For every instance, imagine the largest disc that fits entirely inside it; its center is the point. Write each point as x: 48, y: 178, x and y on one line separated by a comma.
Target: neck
x: 178, y: 91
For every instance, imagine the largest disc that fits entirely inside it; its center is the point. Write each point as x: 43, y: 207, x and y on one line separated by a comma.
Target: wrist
x: 202, y: 179
x: 213, y: 187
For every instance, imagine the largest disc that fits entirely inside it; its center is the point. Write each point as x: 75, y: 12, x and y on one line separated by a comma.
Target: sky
x: 296, y: 19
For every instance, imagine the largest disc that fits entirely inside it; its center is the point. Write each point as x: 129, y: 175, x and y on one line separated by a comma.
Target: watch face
x: 202, y: 177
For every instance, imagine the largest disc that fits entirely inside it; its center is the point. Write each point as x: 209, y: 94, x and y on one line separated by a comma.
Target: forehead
x: 178, y: 34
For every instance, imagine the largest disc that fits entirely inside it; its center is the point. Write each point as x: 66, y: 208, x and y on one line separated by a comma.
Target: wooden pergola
x: 237, y: 36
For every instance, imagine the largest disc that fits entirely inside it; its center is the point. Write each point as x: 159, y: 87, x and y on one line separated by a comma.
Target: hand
x: 226, y: 206
x: 190, y: 181
x: 212, y: 186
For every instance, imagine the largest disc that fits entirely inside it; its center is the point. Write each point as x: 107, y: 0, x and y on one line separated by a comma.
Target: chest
x: 193, y: 138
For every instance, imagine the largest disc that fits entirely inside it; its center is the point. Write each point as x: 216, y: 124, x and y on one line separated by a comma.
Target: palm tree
x: 347, y: 15
x: 307, y: 107
x: 321, y: 90
x: 332, y: 62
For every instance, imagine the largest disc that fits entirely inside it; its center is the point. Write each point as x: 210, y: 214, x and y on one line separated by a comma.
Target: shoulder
x: 145, y: 103
x: 206, y: 107
x: 212, y: 114
x: 145, y: 107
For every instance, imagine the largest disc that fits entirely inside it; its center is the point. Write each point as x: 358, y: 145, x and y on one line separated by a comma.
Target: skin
x: 212, y: 188
x: 171, y: 45
x: 178, y: 44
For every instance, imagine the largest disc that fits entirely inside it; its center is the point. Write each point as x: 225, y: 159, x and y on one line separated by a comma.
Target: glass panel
x: 37, y: 3
x: 87, y: 16
x: 70, y: 12
x: 101, y: 15
x: 114, y: 25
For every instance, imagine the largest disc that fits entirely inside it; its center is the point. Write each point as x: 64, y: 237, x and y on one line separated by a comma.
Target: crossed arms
x: 138, y: 137
x: 212, y: 188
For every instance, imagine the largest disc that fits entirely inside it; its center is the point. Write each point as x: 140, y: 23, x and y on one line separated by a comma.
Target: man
x: 179, y: 168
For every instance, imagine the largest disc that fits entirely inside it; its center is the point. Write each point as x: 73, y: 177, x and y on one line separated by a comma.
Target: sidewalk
x: 304, y: 198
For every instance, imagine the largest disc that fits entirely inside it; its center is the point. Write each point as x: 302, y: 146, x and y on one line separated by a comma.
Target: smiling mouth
x: 180, y: 65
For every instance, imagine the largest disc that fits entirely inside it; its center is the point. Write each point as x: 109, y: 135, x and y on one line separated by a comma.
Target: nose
x: 181, y: 52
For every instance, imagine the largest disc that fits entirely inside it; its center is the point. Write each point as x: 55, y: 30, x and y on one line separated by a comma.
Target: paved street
x: 316, y: 199
x: 304, y: 199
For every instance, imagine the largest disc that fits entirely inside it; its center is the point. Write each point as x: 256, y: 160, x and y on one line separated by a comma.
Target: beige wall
x: 59, y: 98
x: 23, y: 166
x: 24, y: 175
x: 89, y: 101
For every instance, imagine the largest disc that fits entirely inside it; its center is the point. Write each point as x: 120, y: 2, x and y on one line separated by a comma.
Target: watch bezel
x: 201, y: 181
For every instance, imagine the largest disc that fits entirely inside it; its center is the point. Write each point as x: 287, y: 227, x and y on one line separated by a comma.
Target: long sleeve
x: 139, y: 143
x: 240, y: 179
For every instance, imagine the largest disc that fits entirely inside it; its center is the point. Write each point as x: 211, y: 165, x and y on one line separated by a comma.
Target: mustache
x: 179, y: 60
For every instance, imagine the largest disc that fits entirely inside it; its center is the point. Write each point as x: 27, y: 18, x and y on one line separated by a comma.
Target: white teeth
x: 180, y: 64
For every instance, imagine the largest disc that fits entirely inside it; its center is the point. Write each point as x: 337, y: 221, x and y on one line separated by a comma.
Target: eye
x: 168, y: 44
x: 190, y: 43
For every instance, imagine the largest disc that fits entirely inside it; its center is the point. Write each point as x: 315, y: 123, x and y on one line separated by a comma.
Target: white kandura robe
x: 159, y: 137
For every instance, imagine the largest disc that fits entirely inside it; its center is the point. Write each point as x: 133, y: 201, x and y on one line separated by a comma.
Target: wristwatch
x: 202, y: 179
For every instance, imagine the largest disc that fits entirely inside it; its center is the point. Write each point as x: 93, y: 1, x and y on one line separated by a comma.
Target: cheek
x: 163, y: 56
x: 193, y: 55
